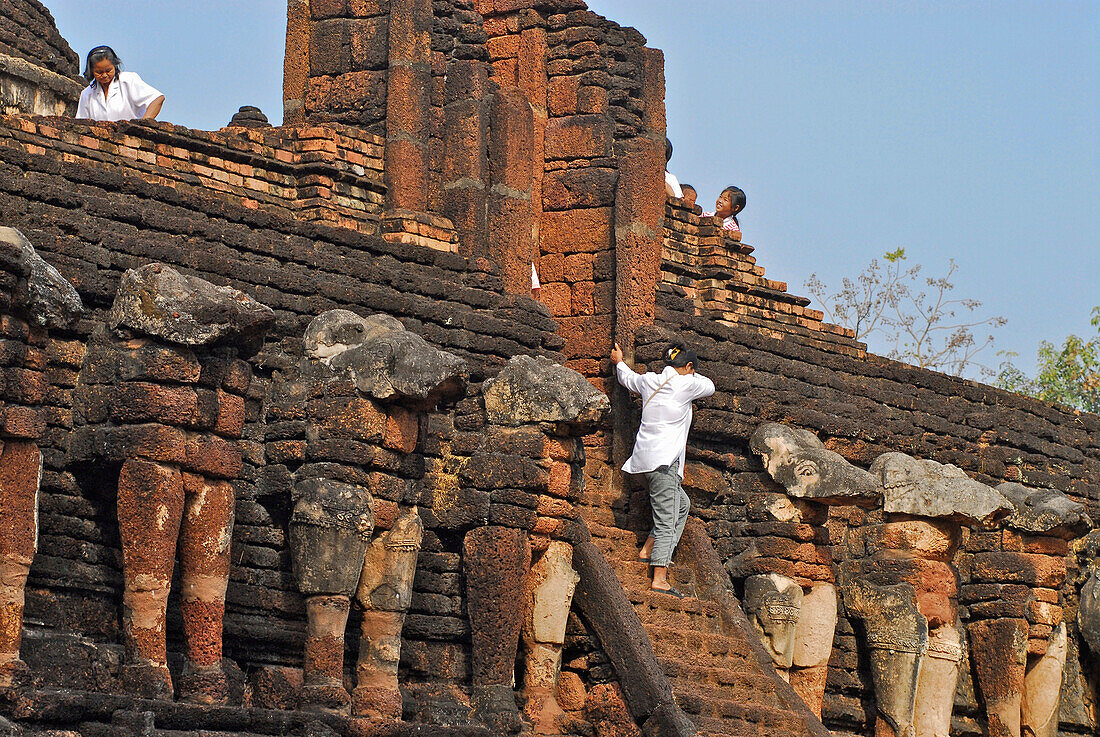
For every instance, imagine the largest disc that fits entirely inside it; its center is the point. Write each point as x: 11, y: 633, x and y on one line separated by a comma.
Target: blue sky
x: 959, y: 129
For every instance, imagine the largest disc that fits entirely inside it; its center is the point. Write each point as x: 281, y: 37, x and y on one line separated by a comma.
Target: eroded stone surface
x: 158, y: 301
x: 897, y: 636
x: 334, y: 331
x: 385, y: 592
x: 496, y: 561
x: 813, y: 644
x: 549, y: 593
x: 1043, y: 687
x: 1088, y: 613
x: 799, y: 461
x: 330, y: 529
x: 40, y: 293
x: 772, y: 603
x: 535, y: 389
x: 998, y: 650
x: 925, y: 488
x: 390, y: 363
x: 1044, y: 511
x: 939, y: 675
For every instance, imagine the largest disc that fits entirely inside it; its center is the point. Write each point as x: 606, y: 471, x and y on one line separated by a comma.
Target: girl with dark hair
x: 672, y: 185
x: 729, y: 204
x: 113, y: 94
x: 659, y: 449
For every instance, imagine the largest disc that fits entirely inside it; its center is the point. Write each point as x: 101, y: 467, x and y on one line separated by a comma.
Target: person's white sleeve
x: 703, y: 387
x: 141, y: 93
x: 628, y: 378
x: 672, y: 185
x: 82, y: 106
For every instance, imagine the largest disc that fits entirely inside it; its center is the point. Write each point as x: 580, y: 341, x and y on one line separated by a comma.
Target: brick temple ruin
x: 288, y: 448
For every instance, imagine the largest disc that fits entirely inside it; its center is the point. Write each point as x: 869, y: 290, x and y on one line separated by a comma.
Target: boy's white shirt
x: 666, y: 415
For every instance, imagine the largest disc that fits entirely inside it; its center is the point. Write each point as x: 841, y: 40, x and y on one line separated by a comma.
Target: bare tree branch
x: 926, y: 326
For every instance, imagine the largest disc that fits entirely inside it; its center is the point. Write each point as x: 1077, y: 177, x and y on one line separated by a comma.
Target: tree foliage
x: 918, y: 319
x: 1069, y: 375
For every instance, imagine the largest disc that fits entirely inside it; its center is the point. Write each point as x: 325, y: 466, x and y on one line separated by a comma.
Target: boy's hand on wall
x: 616, y: 354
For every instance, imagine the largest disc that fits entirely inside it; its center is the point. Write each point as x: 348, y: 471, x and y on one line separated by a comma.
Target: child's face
x: 689, y: 197
x: 723, y: 208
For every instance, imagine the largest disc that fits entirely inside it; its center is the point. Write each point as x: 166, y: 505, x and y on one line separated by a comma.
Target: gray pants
x: 670, y: 505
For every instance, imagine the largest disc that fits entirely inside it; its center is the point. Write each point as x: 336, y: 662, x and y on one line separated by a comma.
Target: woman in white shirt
x: 114, y: 94
x: 660, y: 446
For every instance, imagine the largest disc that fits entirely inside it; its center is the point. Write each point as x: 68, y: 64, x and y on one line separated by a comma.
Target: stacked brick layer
x: 705, y: 273
x: 330, y: 175
x: 28, y: 31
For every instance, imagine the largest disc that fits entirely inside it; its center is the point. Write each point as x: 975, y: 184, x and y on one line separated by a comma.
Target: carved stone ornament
x: 389, y: 363
x: 39, y: 293
x: 32, y: 291
x: 1044, y: 512
x: 548, y: 596
x: 897, y: 637
x: 1088, y: 613
x: 925, y: 488
x: 798, y: 461
x: 772, y: 603
x: 330, y: 529
x: 385, y: 592
x: 158, y: 301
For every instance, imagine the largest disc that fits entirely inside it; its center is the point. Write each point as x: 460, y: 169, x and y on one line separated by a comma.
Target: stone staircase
x: 719, y: 676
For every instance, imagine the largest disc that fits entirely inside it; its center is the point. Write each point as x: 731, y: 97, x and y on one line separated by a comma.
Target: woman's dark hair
x: 677, y: 355
x: 737, y: 201
x: 668, y: 150
x: 98, y: 54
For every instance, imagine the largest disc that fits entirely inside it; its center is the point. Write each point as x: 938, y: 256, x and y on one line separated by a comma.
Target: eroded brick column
x: 150, y: 509
x: 357, y: 398
x: 511, y: 240
x: 465, y: 164
x: 296, y: 62
x: 385, y: 592
x: 495, y: 561
x: 20, y: 469
x: 1017, y: 637
x: 408, y: 105
x: 204, y: 573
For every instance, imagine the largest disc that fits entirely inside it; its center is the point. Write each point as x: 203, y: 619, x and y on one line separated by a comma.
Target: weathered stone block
x: 495, y: 560
x: 133, y: 402
x: 1027, y: 568
x: 578, y: 137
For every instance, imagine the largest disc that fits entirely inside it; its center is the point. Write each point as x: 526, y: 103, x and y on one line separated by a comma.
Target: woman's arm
x: 153, y: 110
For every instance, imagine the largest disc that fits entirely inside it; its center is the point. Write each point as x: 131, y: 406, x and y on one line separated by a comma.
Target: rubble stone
x: 535, y: 389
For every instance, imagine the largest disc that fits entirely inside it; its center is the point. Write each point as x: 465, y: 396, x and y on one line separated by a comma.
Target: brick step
x: 606, y: 532
x: 600, y: 515
x: 672, y: 619
x: 776, y: 724
x: 691, y: 606
x: 703, y: 648
x: 739, y: 675
x: 715, y: 701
